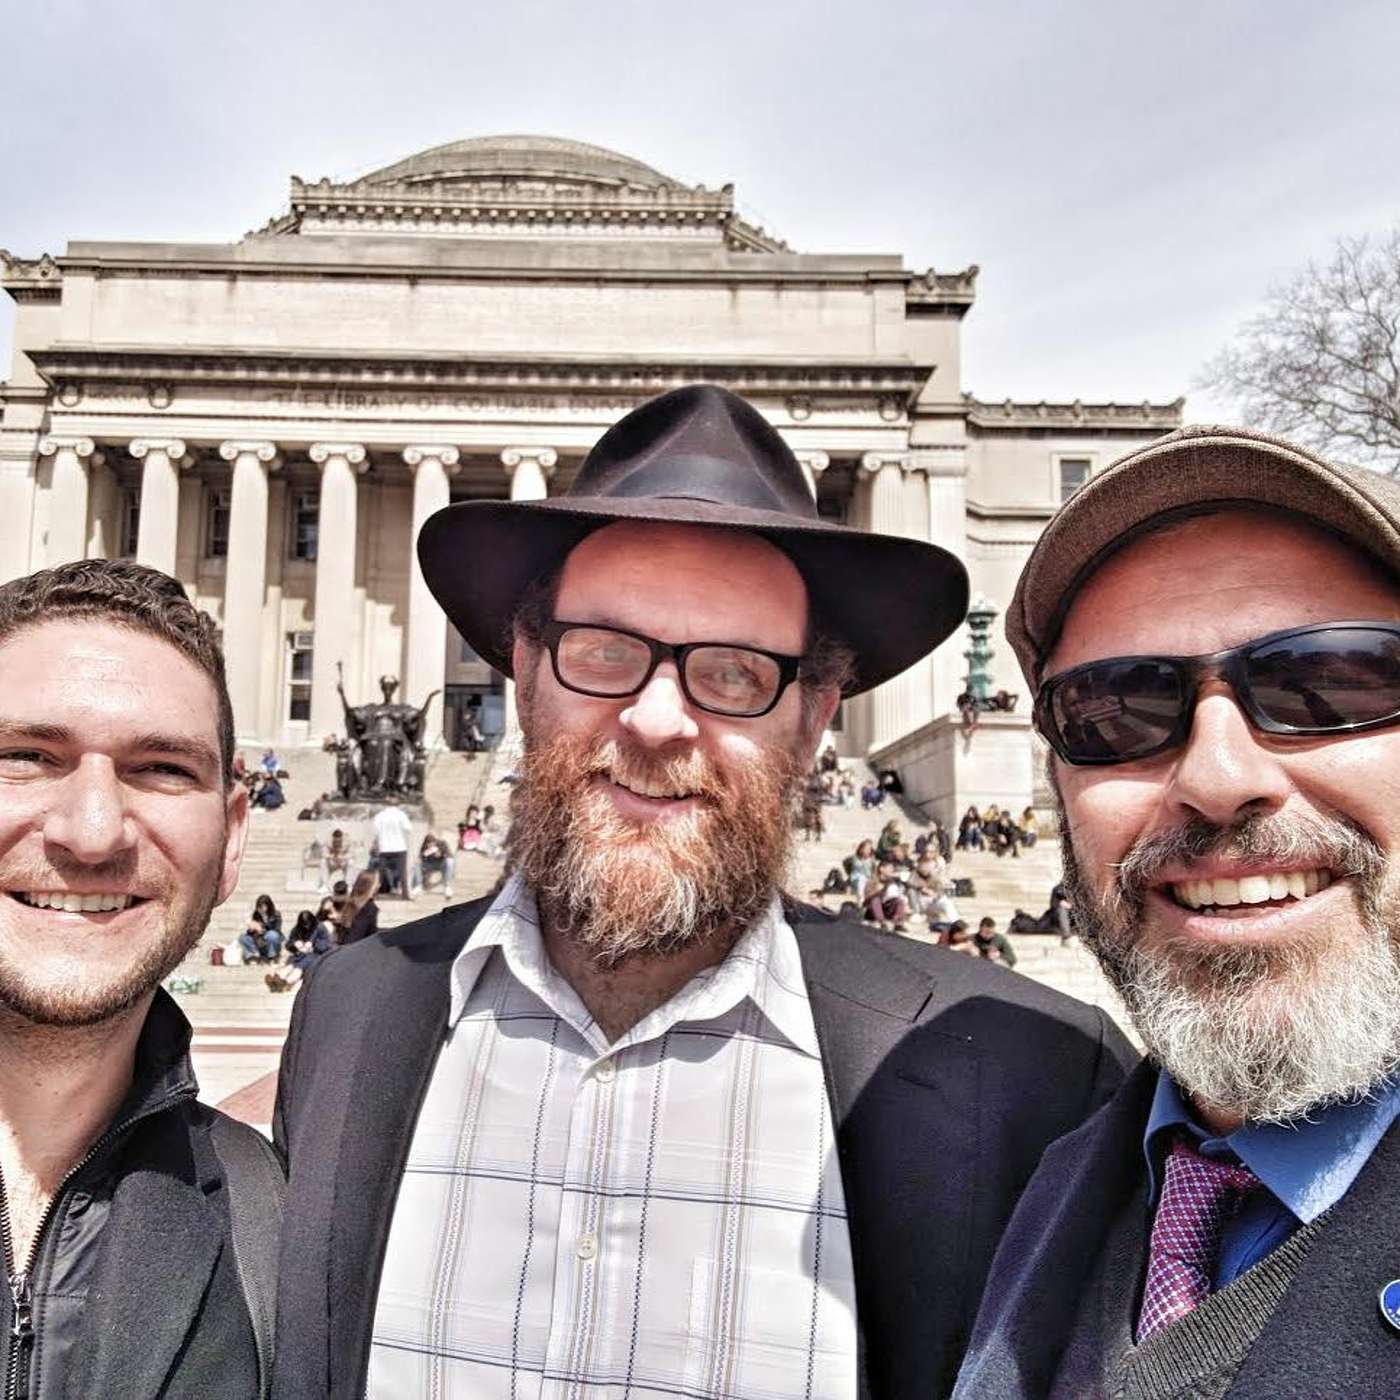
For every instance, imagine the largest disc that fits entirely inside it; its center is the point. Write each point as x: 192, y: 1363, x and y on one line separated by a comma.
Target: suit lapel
x: 397, y: 1048
x: 1051, y: 1250
x: 159, y: 1249
x: 907, y: 1227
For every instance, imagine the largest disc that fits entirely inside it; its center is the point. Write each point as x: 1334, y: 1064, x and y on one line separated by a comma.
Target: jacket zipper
x: 21, y: 1281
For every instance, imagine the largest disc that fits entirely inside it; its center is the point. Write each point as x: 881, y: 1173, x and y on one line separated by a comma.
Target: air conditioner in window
x: 303, y: 641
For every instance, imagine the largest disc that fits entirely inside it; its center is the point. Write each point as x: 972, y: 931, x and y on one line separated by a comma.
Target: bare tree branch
x: 1321, y: 361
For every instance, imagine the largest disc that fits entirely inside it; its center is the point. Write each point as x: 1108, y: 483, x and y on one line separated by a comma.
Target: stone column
x: 68, y: 496
x: 159, y: 523
x: 334, y: 615
x: 813, y: 464
x: 530, y: 469
x: 898, y: 506
x: 425, y: 648
x: 947, y: 527
x: 245, y: 578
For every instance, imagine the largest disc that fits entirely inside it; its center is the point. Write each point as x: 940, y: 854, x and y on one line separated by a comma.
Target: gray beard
x: 1266, y: 1034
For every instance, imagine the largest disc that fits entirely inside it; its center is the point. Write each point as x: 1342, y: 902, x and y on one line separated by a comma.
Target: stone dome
x: 520, y: 158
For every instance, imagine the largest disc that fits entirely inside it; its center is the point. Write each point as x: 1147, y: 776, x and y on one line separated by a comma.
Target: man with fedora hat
x: 1212, y: 627
x: 637, y: 1125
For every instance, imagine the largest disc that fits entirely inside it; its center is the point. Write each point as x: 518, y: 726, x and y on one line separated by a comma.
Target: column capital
x: 173, y: 448
x: 873, y: 462
x: 351, y: 452
x: 81, y: 447
x: 418, y: 453
x: 815, y: 462
x: 545, y: 458
x: 265, y: 452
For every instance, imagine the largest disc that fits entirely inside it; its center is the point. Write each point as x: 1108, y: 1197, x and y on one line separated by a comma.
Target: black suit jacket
x: 947, y: 1077
x: 1326, y: 1338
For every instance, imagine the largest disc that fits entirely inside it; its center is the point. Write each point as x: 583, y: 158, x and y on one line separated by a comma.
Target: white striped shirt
x: 662, y: 1216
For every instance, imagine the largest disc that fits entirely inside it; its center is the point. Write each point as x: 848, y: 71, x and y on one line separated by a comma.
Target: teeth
x: 650, y: 789
x: 1225, y: 891
x: 74, y: 903
x: 1250, y: 889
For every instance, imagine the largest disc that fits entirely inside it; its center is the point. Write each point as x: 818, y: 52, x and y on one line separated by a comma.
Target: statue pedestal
x: 945, y: 770
x: 364, y: 808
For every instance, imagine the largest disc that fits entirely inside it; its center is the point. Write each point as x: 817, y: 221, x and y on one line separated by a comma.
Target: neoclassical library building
x: 272, y: 419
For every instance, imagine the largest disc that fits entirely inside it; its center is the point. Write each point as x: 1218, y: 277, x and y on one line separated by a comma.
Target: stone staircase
x: 239, y: 1024
x: 1003, y: 884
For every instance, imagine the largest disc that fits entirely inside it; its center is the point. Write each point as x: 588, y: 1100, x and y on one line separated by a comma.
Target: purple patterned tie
x: 1198, y: 1196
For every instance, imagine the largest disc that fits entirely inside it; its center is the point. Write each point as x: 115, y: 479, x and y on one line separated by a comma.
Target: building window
x: 216, y: 533
x: 130, y: 523
x: 468, y: 656
x: 299, y: 702
x: 1074, y: 472
x: 306, y: 511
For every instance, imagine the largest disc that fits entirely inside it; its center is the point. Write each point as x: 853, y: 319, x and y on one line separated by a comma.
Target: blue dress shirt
x: 1306, y: 1167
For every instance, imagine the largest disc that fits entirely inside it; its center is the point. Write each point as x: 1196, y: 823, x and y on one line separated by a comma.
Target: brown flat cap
x: 1193, y: 469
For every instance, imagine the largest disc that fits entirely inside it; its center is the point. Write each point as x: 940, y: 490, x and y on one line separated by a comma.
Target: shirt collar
x: 764, y: 967
x: 1308, y: 1165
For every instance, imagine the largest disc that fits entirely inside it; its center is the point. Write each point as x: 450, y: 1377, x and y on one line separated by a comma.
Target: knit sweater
x: 1196, y: 1357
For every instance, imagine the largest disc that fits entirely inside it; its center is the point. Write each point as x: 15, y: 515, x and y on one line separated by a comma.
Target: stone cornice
x: 1145, y: 416
x: 30, y: 279
x: 894, y: 382
x: 939, y: 291
x: 480, y: 261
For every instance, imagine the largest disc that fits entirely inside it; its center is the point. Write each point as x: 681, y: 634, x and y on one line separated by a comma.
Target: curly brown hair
x: 130, y: 595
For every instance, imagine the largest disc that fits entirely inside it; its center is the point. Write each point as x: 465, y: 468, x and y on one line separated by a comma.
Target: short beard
x: 74, y: 1003
x: 622, y: 889
x: 1267, y: 1034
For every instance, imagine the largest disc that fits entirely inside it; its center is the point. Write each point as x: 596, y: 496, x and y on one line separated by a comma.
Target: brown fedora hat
x: 1197, y: 469
x: 699, y: 455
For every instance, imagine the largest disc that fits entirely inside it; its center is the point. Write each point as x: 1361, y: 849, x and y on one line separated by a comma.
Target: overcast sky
x: 1131, y: 178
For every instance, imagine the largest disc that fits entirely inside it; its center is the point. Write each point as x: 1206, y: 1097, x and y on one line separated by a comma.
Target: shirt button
x: 587, y: 1247
x: 605, y: 1072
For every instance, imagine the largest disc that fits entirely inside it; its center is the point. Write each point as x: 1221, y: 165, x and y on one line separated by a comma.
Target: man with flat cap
x: 638, y: 1126
x: 1213, y: 629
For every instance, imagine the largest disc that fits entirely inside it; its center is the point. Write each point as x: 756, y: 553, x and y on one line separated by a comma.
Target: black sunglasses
x: 1330, y: 678
x: 609, y: 663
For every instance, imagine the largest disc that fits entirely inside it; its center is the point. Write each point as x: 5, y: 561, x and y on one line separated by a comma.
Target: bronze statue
x: 386, y: 756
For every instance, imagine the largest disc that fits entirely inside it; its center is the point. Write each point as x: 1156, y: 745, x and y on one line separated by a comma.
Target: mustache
x: 1295, y: 839
x: 692, y: 773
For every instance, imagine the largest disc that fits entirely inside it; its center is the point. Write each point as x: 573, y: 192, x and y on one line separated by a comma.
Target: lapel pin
x: 1390, y: 1303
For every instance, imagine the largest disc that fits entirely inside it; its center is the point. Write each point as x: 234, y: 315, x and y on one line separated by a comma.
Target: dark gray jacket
x: 135, y: 1289
x: 947, y: 1078
x: 1325, y: 1338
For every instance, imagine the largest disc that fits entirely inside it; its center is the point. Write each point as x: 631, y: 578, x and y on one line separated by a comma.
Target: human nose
x: 88, y: 813
x: 660, y: 714
x: 1224, y: 771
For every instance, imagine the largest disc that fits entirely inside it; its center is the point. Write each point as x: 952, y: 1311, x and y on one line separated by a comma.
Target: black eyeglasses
x: 608, y: 664
x: 1330, y: 678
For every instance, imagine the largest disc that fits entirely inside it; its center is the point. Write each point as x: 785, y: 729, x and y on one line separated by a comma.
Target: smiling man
x: 639, y: 1125
x: 1213, y: 629
x: 119, y: 832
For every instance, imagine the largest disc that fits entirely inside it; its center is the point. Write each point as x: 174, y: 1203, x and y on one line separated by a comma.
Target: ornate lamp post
x: 980, y: 617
